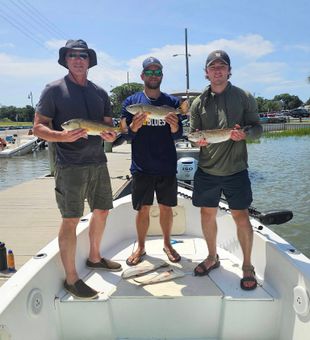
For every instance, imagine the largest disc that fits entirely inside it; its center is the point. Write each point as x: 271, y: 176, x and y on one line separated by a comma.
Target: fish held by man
x: 158, y: 112
x: 92, y: 128
x: 212, y: 136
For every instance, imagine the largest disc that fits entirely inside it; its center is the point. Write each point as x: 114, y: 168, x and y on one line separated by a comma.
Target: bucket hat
x: 79, y: 45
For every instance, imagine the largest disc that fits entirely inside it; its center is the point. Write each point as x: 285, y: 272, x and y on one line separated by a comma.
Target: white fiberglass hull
x: 33, y: 301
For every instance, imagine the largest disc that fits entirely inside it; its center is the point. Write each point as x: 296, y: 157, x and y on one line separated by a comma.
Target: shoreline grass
x: 287, y: 133
x: 281, y: 134
x: 6, y: 124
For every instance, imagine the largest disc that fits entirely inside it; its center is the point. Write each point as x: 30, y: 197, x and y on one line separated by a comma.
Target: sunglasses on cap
x: 81, y: 55
x: 156, y: 73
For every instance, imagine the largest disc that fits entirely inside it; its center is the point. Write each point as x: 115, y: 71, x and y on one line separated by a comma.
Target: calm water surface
x: 279, y: 171
x: 280, y: 175
x: 19, y: 169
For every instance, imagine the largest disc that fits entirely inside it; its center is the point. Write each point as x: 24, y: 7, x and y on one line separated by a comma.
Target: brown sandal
x: 205, y: 270
x: 248, y: 268
x: 134, y: 260
x: 172, y: 255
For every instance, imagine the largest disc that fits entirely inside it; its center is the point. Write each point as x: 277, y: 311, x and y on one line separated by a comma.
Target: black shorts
x: 144, y: 186
x: 209, y: 188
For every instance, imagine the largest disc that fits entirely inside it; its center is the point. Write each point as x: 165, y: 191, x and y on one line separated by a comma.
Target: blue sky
x: 268, y: 42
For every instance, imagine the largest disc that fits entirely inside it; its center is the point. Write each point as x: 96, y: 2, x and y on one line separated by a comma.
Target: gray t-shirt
x: 217, y: 111
x: 63, y: 100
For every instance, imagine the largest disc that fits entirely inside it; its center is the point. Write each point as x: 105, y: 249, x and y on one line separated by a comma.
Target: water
x: 280, y: 176
x: 279, y: 171
x: 19, y: 169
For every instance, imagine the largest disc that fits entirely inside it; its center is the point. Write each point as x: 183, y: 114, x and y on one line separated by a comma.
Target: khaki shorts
x: 74, y: 184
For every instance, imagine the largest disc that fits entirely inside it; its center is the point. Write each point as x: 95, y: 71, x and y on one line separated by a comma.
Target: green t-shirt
x: 225, y: 110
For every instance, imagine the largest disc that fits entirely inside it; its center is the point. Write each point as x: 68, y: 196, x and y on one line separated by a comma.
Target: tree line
x: 280, y: 102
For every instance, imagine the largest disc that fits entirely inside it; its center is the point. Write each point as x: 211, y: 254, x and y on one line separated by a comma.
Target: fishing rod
x: 268, y: 217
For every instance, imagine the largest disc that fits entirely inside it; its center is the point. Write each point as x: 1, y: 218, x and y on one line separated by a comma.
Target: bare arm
x: 42, y: 128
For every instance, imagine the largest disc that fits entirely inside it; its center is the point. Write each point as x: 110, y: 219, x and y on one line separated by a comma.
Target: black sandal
x: 205, y: 270
x: 248, y: 268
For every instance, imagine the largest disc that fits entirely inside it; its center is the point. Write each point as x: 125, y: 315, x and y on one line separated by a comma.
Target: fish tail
x: 184, y: 107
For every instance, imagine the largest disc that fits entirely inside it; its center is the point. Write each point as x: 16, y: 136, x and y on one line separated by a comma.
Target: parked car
x: 297, y: 113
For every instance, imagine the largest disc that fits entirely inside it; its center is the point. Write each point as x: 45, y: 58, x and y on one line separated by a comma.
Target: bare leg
x: 166, y: 221
x: 142, y: 225
x: 245, y: 237
x: 67, y: 247
x: 96, y: 229
x: 209, y: 229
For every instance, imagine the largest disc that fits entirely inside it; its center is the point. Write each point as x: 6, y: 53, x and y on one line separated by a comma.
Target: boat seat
x: 178, y: 226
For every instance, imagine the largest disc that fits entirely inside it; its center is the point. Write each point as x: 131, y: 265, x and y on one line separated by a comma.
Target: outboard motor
x: 186, y: 168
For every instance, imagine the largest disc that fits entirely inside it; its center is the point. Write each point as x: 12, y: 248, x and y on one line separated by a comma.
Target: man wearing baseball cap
x: 81, y: 164
x: 222, y: 167
x: 154, y: 159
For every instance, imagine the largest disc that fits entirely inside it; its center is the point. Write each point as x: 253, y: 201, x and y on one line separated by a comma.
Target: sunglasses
x: 156, y: 73
x: 81, y: 55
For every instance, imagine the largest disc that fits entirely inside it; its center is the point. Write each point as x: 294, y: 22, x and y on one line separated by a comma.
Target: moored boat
x: 184, y: 307
x: 18, y: 145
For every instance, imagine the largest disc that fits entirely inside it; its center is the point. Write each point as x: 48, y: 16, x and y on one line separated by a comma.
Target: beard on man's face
x: 153, y: 85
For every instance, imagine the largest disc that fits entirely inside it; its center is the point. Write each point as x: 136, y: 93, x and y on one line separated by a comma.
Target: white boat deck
x: 213, y: 301
x: 223, y: 282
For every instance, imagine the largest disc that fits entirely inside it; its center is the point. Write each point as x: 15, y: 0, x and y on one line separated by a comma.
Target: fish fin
x: 184, y: 107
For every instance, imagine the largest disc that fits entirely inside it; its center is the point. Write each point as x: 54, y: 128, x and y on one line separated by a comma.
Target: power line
x: 20, y: 27
x: 32, y: 19
x: 30, y: 22
x: 39, y: 16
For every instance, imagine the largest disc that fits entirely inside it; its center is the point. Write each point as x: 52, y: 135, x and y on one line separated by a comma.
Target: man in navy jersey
x: 154, y: 159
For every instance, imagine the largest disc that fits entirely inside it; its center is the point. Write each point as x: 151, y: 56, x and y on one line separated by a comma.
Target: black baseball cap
x: 218, y: 55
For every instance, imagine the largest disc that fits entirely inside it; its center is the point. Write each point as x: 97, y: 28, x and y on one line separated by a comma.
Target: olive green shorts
x: 74, y: 184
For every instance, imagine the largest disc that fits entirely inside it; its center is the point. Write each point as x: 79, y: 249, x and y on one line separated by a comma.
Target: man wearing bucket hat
x: 154, y: 159
x: 222, y: 167
x: 81, y: 169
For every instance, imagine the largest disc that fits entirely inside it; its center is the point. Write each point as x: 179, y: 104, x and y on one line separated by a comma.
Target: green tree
x: 26, y: 114
x: 289, y: 101
x: 17, y: 114
x: 120, y: 93
x: 260, y: 104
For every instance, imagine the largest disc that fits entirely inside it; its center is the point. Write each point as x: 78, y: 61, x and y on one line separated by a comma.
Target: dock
x: 30, y: 218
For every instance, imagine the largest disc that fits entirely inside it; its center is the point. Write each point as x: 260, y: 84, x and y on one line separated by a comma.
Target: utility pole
x: 186, y: 64
x: 30, y: 96
x: 187, y: 70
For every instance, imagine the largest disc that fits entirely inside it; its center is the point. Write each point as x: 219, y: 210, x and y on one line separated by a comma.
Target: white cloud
x: 248, y: 55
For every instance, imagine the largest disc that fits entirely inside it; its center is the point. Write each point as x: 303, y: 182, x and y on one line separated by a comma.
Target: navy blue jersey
x: 153, y: 149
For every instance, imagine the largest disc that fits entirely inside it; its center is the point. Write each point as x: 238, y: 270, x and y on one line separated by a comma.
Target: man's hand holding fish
x: 71, y: 136
x: 172, y: 119
x: 108, y: 136
x: 237, y: 134
x: 138, y: 121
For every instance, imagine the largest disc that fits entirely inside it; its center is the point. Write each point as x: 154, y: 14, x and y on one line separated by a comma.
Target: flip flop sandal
x: 173, y: 255
x: 205, y: 270
x: 248, y: 278
x: 135, y: 260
